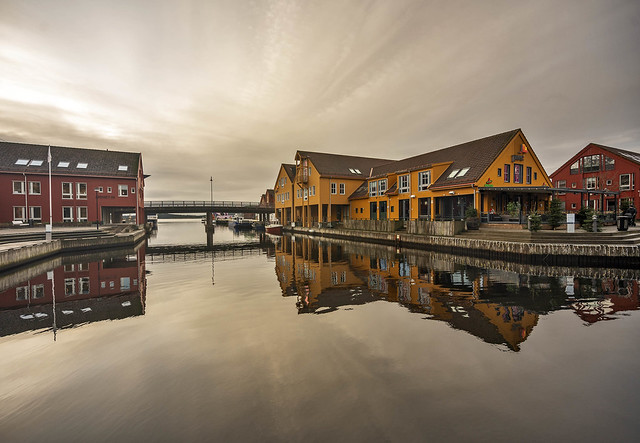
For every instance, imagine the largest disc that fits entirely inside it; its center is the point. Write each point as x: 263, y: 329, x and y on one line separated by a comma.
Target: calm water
x: 301, y: 340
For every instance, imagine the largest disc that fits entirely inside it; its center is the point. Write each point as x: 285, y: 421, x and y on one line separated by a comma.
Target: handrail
x: 199, y: 203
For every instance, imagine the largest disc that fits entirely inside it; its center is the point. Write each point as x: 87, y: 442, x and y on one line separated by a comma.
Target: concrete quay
x: 18, y: 246
x: 608, y: 248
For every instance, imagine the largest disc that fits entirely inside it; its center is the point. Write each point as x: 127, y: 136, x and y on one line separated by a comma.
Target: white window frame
x: 404, y: 188
x: 22, y: 210
x: 342, y: 188
x: 334, y: 188
x: 122, y: 188
x: 382, y: 186
x: 373, y: 188
x: 69, y: 287
x: 591, y: 182
x: 125, y: 283
x: 33, y: 215
x: 79, y: 194
x: 70, y: 217
x: 80, y: 210
x: 32, y: 190
x: 19, y: 191
x: 22, y: 293
x: 83, y: 285
x: 37, y: 291
x: 67, y: 195
x: 133, y: 190
x: 109, y: 190
x: 421, y: 185
x: 626, y: 187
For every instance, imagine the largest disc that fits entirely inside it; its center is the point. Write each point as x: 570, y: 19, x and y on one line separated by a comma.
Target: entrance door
x: 373, y: 211
x: 404, y: 212
x: 383, y: 210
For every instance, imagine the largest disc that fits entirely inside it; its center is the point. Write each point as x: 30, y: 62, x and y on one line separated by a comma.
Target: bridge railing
x: 199, y: 204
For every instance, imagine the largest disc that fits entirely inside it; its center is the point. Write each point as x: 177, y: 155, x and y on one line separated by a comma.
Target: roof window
x: 82, y: 165
x: 453, y: 173
x: 123, y: 168
x: 462, y: 172
x: 22, y: 162
x: 63, y: 164
x: 353, y: 171
x: 358, y: 171
x: 35, y: 163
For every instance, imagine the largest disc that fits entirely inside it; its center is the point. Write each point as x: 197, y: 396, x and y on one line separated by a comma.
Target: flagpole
x: 50, y: 227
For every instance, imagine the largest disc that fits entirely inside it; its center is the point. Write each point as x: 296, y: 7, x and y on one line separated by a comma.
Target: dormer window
x: 63, y: 164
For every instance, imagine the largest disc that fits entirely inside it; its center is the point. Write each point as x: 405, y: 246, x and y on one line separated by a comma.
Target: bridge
x: 200, y: 207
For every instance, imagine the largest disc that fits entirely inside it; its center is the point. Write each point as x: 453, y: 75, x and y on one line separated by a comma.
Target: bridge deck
x: 194, y: 206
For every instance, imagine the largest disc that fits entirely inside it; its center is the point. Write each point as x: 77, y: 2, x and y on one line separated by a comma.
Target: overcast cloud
x: 231, y: 89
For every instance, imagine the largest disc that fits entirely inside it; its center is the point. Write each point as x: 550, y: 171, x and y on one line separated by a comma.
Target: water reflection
x: 73, y: 290
x: 500, y: 303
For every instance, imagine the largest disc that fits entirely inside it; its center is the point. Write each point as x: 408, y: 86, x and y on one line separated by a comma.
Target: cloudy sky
x: 232, y: 88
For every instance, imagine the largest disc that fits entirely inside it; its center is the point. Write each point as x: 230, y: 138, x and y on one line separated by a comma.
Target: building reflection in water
x: 500, y: 304
x: 88, y: 288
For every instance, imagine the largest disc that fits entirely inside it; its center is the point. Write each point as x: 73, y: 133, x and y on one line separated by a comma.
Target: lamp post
x: 97, y: 214
x: 211, y: 180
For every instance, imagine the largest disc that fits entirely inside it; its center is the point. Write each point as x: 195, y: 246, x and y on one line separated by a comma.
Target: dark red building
x: 86, y: 184
x: 599, y: 168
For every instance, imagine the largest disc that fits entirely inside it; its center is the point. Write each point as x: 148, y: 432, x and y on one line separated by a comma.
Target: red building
x: 86, y: 184
x: 599, y: 168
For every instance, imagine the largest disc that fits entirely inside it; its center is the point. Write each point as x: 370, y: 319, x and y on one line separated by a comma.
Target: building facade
x: 586, y: 177
x: 86, y: 185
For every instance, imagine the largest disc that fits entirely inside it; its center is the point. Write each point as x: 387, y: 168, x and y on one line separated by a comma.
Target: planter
x: 473, y: 223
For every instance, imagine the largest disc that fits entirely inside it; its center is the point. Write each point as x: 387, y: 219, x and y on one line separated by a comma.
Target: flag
x: 49, y: 155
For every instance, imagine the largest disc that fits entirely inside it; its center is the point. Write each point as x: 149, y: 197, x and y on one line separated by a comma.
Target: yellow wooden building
x: 485, y: 174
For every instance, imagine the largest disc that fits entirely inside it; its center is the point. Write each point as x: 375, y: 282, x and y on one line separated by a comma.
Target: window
x: 100, y: 189
x: 424, y: 180
x: 133, y: 190
x: 575, y: 168
x: 125, y: 283
x: 83, y: 283
x: 342, y: 188
x: 22, y: 293
x: 403, y: 184
x: 18, y: 187
x: 69, y: 286
x: 69, y: 268
x: 625, y: 182
x: 123, y: 190
x: 517, y: 173
x: 34, y: 188
x: 591, y: 182
x: 499, y: 172
x: 109, y: 190
x: 306, y: 194
x: 535, y: 176
x: 462, y: 172
x: 333, y: 188
x: 19, y: 213
x: 63, y: 164
x: 373, y: 188
x: 382, y: 186
x: 453, y: 173
x: 35, y: 213
x: 67, y: 190
x: 35, y: 163
x: 67, y: 214
x: 529, y: 175
x: 123, y: 168
x: 82, y: 165
x: 573, y: 205
x: 81, y: 191
x: 82, y: 213
x: 609, y: 182
x: 561, y: 184
x: 609, y: 163
x: 37, y: 291
x: 591, y: 163
x: 507, y: 173
x: 22, y: 162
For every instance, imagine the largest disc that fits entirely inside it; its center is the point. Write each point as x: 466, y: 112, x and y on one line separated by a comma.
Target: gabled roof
x: 22, y: 157
x: 290, y: 170
x: 337, y: 165
x: 628, y: 155
x: 477, y: 155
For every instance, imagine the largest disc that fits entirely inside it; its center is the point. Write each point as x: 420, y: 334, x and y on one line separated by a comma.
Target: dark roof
x: 337, y: 165
x: 99, y: 162
x: 629, y: 155
x: 477, y: 155
x: 290, y: 170
x: 361, y: 192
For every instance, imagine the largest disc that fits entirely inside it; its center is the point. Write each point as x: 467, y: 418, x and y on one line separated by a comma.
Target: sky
x: 230, y: 89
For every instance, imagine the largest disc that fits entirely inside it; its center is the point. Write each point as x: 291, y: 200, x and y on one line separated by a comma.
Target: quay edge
x: 31, y: 252
x: 548, y: 254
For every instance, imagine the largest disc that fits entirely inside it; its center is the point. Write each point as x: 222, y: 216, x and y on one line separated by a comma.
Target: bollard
x: 594, y: 219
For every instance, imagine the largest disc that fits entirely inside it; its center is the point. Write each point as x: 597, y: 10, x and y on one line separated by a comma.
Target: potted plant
x: 472, y: 219
x: 513, y: 208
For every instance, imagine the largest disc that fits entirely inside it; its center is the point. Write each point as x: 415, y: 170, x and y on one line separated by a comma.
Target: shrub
x: 513, y: 208
x: 471, y: 213
x: 535, y: 221
x: 556, y: 215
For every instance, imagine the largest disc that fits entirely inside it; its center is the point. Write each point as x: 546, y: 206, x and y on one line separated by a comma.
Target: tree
x: 556, y: 215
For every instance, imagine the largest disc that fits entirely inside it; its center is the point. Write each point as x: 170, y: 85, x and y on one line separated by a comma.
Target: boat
x: 240, y: 223
x: 274, y: 229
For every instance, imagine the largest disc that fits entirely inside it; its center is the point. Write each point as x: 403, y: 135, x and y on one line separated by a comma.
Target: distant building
x: 594, y: 170
x: 86, y: 184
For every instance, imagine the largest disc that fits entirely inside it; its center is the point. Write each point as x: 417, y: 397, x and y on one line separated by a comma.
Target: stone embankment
x: 539, y: 248
x: 17, y: 251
